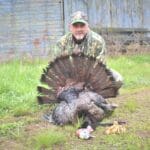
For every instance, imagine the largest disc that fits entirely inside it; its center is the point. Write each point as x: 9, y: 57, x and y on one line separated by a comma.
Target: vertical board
x: 99, y: 13
x: 5, y: 25
x: 117, y: 13
x: 30, y: 25
x: 146, y: 13
x: 71, y: 6
x: 111, y: 13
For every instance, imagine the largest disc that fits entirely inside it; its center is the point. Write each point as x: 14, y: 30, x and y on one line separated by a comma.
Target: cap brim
x: 79, y: 21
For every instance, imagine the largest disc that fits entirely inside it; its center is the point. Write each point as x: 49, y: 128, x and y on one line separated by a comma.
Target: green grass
x: 19, y: 80
x: 130, y: 140
x: 18, y: 86
x: 11, y: 129
x: 47, y: 139
x: 19, y: 109
x: 131, y: 105
x: 134, y: 70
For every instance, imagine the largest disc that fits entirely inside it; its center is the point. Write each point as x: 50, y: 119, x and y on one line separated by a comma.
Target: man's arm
x: 58, y: 49
x: 101, y: 50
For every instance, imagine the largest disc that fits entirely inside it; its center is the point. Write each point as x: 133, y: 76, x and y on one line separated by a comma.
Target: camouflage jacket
x: 93, y: 44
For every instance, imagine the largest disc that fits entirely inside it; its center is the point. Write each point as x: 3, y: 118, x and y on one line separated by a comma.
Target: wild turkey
x: 80, y: 84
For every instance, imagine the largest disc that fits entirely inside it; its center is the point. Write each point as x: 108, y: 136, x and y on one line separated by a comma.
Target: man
x: 88, y: 104
x: 82, y: 39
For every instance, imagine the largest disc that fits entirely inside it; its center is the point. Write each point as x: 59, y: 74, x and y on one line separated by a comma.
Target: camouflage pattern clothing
x: 93, y: 44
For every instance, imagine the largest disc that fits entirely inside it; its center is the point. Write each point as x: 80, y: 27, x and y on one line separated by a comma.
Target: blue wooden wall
x: 112, y: 13
x: 34, y: 25
x: 30, y: 25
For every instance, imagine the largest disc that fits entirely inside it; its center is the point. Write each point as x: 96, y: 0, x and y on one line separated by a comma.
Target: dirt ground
x: 137, y: 121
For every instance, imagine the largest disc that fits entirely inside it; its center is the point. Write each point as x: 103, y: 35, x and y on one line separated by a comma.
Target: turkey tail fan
x: 47, y: 95
x: 70, y: 70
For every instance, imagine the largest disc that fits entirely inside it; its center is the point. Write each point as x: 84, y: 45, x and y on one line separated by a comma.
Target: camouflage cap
x: 79, y: 17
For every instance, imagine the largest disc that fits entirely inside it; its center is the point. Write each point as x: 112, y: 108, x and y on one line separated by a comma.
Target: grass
x: 20, y: 115
x: 21, y: 111
x: 131, y: 105
x: 134, y: 70
x: 11, y: 129
x: 47, y: 139
x: 131, y: 141
x: 18, y: 86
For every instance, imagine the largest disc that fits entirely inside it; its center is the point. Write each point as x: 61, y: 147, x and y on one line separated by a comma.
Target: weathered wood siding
x: 112, y: 13
x: 34, y: 25
x: 30, y: 25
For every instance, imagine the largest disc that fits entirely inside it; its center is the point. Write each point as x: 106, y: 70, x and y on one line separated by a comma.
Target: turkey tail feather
x: 66, y: 71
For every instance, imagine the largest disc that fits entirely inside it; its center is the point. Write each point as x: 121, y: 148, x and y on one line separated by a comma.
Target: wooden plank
x: 29, y: 24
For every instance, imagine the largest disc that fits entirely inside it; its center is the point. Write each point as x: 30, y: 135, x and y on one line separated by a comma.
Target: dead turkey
x: 80, y: 84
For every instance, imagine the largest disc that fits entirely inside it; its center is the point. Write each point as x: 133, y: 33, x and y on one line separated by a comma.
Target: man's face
x: 79, y: 30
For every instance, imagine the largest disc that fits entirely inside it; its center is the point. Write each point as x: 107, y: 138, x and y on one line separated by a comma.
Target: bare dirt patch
x: 137, y: 122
